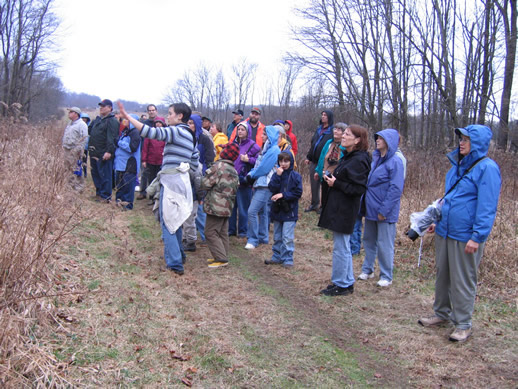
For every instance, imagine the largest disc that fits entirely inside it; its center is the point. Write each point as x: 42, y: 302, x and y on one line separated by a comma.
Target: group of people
x: 245, y: 179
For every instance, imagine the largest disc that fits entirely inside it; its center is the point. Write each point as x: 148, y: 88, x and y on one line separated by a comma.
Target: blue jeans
x: 283, y: 242
x: 378, y: 239
x: 102, y: 173
x: 257, y: 220
x: 356, y: 237
x: 239, y: 217
x: 200, y: 221
x: 125, y: 183
x: 342, y: 274
x: 173, y: 250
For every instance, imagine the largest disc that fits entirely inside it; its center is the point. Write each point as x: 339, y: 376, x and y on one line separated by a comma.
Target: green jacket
x: 221, y: 182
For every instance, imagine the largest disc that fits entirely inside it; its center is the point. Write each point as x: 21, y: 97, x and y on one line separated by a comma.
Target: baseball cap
x: 255, y: 109
x: 238, y: 112
x: 76, y: 110
x: 106, y: 102
x: 206, y: 118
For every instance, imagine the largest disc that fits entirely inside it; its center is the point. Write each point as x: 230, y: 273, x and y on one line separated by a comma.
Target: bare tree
x: 26, y: 29
x: 243, y: 79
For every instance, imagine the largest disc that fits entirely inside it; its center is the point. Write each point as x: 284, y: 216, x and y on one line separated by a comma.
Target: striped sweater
x: 179, y: 144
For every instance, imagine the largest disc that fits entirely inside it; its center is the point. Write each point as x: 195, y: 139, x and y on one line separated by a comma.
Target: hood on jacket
x: 291, y: 126
x: 330, y: 117
x: 292, y: 161
x: 197, y: 125
x: 85, y: 115
x: 273, y: 136
x: 391, y: 137
x: 248, y: 127
x: 480, y: 138
x: 134, y: 116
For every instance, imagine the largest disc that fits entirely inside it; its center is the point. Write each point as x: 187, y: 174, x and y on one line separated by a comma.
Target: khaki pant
x: 71, y: 156
x: 456, y: 282
x: 216, y: 235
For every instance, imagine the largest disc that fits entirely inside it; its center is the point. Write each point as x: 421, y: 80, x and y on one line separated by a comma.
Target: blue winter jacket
x: 263, y: 170
x: 289, y: 183
x: 127, y: 153
x: 203, y: 144
x: 469, y: 210
x: 386, y: 181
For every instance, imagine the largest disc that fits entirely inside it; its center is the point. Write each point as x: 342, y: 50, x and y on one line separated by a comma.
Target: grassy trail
x: 130, y: 322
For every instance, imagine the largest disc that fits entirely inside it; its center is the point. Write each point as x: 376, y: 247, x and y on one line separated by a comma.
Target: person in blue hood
x: 127, y: 164
x: 286, y: 187
x: 382, y: 201
x: 262, y: 173
x: 468, y: 213
x: 323, y: 133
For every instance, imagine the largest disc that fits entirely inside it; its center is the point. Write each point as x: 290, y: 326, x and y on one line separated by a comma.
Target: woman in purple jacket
x: 248, y: 152
x: 382, y: 201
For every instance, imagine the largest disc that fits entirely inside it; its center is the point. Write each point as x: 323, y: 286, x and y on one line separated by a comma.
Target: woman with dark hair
x: 346, y: 186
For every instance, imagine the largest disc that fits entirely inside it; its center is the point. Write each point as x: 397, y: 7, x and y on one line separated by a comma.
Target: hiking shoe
x: 287, y: 265
x: 460, y: 335
x: 249, y: 246
x: 365, y: 276
x: 271, y: 262
x: 217, y: 264
x: 190, y: 247
x: 141, y: 197
x: 431, y: 321
x: 338, y: 291
x: 384, y: 283
x: 210, y: 260
x: 179, y: 272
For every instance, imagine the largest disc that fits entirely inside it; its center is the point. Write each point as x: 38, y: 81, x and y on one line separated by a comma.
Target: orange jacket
x: 258, y: 136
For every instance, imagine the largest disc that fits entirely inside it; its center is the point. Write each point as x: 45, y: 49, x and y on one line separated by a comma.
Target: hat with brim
x: 461, y: 131
x: 75, y: 109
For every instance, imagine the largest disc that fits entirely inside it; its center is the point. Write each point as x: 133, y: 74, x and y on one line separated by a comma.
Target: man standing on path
x: 323, y: 133
x: 101, y: 147
x: 238, y: 118
x: 175, y: 192
x: 74, y: 141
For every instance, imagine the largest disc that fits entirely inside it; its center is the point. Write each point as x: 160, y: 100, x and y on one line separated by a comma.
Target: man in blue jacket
x: 468, y: 214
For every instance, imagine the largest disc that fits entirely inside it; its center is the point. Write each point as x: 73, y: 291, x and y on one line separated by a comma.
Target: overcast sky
x: 135, y: 50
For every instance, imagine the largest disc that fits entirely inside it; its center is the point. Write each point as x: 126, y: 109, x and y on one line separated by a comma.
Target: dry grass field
x: 87, y: 301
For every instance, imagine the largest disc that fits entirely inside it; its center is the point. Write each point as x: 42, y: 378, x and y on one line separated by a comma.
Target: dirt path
x: 252, y: 325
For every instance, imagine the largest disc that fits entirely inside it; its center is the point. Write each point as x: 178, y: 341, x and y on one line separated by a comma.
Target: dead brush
x: 36, y: 211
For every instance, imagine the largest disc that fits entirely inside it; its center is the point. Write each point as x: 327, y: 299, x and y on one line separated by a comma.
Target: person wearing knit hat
x: 220, y: 182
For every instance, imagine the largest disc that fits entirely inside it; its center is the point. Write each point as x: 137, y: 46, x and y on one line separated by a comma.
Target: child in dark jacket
x: 286, y: 186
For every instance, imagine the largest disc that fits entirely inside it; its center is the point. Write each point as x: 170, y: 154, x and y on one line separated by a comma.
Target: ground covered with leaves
x: 124, y: 320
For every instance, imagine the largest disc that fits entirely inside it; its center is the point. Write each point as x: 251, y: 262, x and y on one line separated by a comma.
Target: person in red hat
x: 220, y: 182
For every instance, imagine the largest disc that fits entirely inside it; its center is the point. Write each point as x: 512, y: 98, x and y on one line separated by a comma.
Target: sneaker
x: 365, y: 276
x: 431, y: 321
x: 271, y: 262
x: 287, y: 265
x: 249, y: 246
x: 460, y: 335
x: 217, y: 264
x: 384, y: 283
x: 338, y: 291
x: 210, y: 260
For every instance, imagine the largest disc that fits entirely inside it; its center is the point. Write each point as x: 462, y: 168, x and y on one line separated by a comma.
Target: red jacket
x: 293, y: 138
x: 153, y: 151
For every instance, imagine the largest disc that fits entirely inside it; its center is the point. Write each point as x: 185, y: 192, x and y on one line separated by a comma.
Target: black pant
x: 148, y: 175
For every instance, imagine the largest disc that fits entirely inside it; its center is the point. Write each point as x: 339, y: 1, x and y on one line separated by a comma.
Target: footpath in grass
x: 250, y: 325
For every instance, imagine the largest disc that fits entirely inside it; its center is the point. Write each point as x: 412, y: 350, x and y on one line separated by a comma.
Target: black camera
x: 420, y: 221
x: 280, y: 205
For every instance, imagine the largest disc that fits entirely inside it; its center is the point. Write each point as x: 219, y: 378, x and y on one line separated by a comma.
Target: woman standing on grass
x: 346, y: 186
x: 468, y: 213
x: 382, y: 201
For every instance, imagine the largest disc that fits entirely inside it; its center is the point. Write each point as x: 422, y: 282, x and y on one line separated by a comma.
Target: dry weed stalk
x: 36, y: 211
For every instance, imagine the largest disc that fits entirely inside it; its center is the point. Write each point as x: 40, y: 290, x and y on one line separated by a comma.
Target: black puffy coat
x: 343, y: 198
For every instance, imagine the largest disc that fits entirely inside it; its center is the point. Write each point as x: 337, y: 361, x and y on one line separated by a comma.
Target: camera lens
x: 412, y: 234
